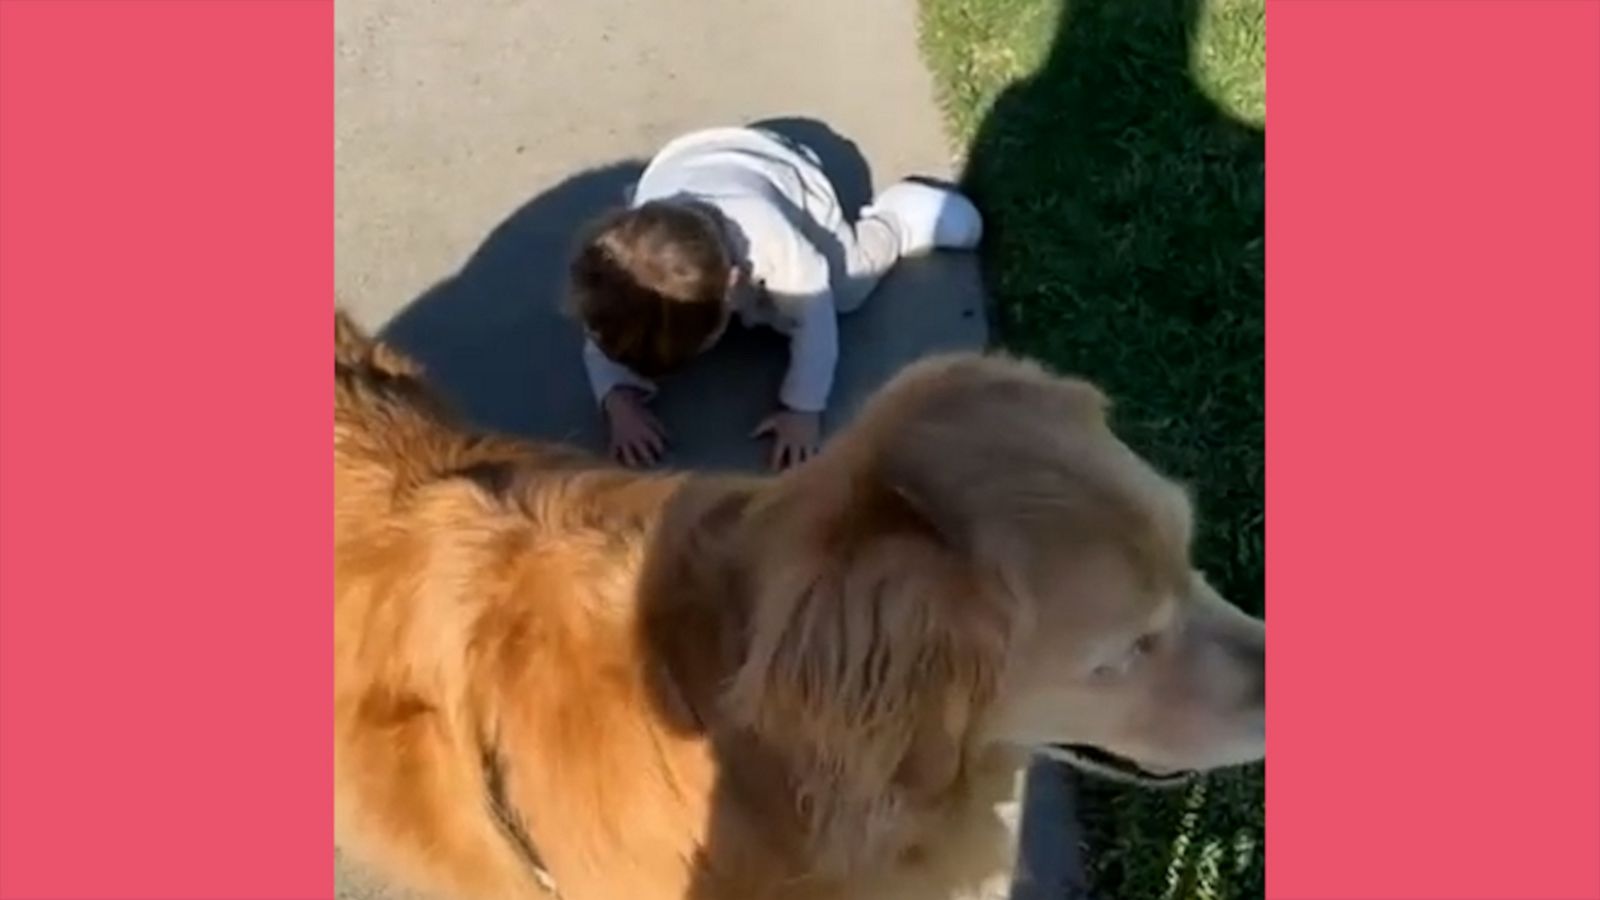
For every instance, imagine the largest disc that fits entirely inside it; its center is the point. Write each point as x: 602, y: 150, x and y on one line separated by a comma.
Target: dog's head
x: 979, y: 562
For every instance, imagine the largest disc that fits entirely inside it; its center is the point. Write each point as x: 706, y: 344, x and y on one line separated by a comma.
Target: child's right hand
x: 637, y: 437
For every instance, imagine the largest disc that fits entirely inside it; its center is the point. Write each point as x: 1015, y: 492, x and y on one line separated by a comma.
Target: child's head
x: 651, y: 285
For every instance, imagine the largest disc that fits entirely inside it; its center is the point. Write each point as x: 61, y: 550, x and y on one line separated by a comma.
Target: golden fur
x: 549, y: 671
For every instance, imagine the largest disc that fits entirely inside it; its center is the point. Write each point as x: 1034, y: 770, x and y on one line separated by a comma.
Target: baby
x: 740, y: 221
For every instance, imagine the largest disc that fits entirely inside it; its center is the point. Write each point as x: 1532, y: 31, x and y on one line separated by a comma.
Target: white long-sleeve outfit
x: 803, y: 262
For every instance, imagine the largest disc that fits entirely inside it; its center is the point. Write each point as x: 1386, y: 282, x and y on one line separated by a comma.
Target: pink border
x: 166, y: 183
x: 1434, y: 444
x: 1434, y: 425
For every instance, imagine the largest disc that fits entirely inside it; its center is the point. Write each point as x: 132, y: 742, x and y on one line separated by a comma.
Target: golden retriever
x: 554, y: 677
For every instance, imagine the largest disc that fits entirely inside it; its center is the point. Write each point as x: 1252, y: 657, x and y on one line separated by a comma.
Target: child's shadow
x: 494, y: 336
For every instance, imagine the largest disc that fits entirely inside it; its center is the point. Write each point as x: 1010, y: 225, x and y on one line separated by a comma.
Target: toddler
x: 740, y: 221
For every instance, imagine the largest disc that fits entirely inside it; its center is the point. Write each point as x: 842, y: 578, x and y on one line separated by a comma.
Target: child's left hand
x: 795, y: 437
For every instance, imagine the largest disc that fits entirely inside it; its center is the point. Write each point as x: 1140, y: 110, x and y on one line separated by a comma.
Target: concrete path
x: 451, y: 116
x: 472, y: 138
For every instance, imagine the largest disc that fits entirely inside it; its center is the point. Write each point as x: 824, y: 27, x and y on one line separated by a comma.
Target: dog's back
x: 411, y: 487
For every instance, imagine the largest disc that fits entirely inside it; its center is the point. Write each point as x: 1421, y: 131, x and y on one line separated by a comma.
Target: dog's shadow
x: 495, y: 338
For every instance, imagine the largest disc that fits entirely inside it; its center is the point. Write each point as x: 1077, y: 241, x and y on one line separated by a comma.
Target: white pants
x: 863, y: 251
x: 870, y: 248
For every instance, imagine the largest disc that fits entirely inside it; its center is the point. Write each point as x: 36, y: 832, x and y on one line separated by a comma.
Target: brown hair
x: 650, y: 284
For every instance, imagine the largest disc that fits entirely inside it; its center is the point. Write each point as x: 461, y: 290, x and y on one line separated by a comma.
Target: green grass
x: 1116, y: 147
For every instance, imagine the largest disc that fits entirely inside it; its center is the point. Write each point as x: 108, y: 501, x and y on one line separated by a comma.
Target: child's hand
x: 637, y: 437
x: 795, y: 437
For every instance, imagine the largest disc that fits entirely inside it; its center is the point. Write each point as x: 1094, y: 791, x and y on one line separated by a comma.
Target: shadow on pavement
x: 494, y: 337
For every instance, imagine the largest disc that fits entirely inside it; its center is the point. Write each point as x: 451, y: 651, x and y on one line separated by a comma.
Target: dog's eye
x: 1144, y: 646
x: 1106, y: 673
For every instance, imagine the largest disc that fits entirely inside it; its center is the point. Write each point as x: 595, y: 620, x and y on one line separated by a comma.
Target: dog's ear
x: 967, y: 441
x: 873, y: 645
